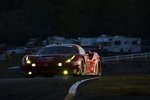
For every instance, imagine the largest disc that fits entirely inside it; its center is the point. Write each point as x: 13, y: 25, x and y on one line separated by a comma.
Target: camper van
x: 120, y: 43
x: 86, y: 42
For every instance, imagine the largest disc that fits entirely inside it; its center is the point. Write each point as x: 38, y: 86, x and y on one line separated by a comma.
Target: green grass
x: 124, y: 85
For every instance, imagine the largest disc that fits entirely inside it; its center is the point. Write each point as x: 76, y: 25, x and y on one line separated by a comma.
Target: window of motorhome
x: 107, y: 43
x: 117, y: 42
x: 103, y: 43
x: 134, y: 42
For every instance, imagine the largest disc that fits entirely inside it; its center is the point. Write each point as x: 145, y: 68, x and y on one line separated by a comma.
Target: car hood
x: 50, y: 58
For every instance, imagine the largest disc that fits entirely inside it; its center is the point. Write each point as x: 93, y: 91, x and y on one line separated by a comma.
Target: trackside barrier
x: 124, y: 57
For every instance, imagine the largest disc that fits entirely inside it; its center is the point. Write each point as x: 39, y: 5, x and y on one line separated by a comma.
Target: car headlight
x: 59, y: 64
x: 33, y: 65
x: 28, y: 61
x: 65, y: 72
x: 30, y: 73
x: 70, y: 59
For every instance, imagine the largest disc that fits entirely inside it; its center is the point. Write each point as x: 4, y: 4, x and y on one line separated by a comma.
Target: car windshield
x: 57, y: 50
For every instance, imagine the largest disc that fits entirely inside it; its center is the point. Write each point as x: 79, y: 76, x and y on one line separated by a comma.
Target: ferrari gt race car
x: 64, y: 59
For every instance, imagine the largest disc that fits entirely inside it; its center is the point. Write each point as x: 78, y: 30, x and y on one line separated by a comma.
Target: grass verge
x: 117, y: 85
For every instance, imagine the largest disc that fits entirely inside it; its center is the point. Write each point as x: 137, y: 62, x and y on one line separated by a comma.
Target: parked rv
x: 86, y: 42
x: 120, y: 43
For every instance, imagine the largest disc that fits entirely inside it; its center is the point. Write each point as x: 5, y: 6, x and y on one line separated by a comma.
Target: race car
x: 63, y: 59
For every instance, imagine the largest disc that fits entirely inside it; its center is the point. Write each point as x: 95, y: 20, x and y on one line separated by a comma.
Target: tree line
x: 24, y: 19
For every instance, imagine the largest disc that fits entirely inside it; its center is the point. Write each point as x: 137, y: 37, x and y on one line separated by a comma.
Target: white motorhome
x: 125, y: 44
x: 104, y: 42
x: 120, y: 43
x: 86, y: 41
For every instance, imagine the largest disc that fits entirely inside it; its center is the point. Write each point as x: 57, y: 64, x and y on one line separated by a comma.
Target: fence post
x: 117, y: 58
x: 132, y: 56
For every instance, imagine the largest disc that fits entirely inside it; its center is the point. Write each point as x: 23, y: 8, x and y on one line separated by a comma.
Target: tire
x: 96, y: 69
x: 81, y: 69
x: 29, y: 76
x: 100, y: 68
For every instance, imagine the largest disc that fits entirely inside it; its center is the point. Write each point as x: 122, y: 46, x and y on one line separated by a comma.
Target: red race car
x: 62, y: 59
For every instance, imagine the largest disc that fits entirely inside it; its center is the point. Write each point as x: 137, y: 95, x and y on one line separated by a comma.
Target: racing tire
x: 81, y: 69
x: 28, y: 76
x: 100, y: 68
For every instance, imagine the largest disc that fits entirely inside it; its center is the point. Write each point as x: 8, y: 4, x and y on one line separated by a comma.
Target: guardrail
x: 111, y: 58
x: 124, y: 57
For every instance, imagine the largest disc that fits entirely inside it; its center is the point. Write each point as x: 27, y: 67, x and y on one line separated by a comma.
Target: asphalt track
x: 13, y: 86
x: 55, y: 88
x: 74, y: 87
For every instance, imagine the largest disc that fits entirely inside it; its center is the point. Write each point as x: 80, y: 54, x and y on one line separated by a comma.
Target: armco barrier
x: 124, y: 57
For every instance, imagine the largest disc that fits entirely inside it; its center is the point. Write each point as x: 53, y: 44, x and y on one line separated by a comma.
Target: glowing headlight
x: 30, y: 73
x: 59, y: 64
x: 28, y: 62
x: 65, y: 72
x: 70, y: 59
x: 33, y: 65
x: 27, y: 58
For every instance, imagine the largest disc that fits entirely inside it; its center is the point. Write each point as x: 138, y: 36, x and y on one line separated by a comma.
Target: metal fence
x: 110, y: 58
x: 124, y: 57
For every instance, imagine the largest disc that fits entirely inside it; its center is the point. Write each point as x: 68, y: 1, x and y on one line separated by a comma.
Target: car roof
x: 66, y: 45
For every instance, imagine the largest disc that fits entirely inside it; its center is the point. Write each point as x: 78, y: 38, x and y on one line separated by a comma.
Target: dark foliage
x: 24, y: 19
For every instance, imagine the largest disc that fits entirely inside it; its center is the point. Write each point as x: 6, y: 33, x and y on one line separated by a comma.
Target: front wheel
x: 80, y: 71
x: 28, y: 76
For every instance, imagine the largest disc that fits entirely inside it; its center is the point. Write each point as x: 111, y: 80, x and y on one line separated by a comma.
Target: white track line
x: 73, y: 89
x: 15, y: 67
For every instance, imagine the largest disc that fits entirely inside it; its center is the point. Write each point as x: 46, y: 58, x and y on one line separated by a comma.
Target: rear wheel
x: 98, y: 69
